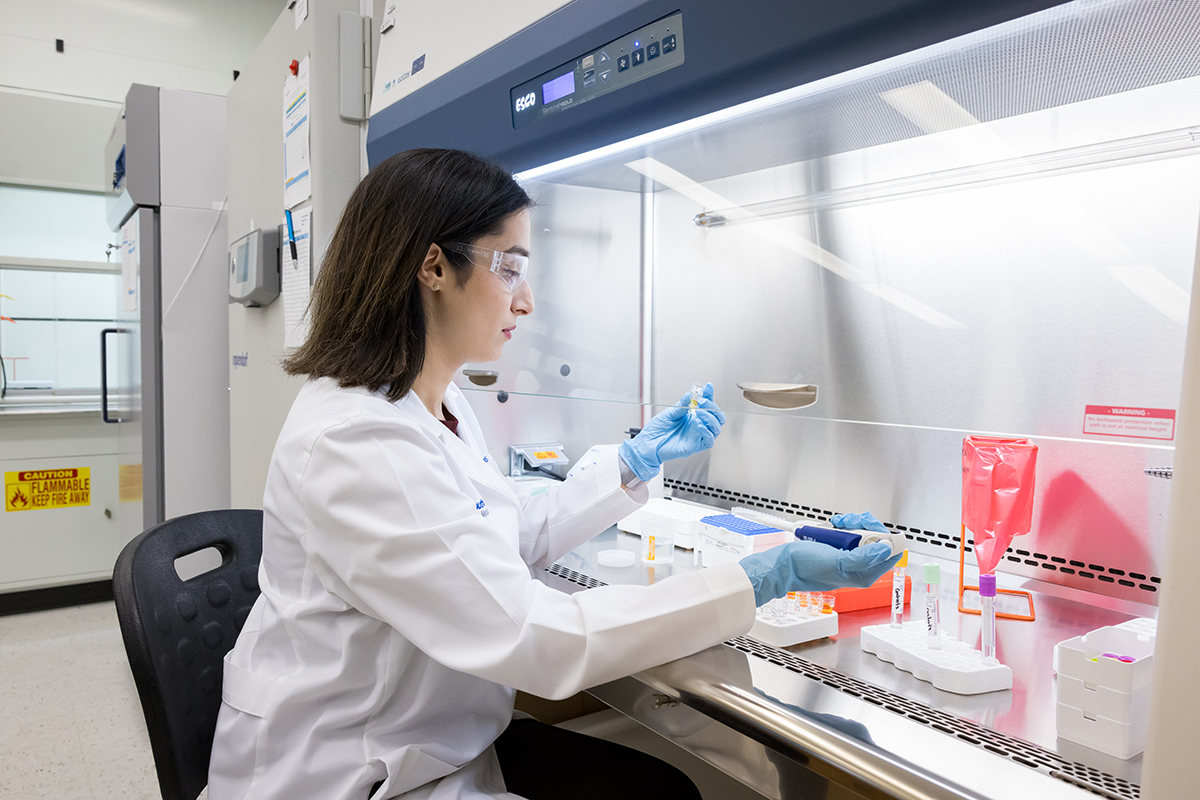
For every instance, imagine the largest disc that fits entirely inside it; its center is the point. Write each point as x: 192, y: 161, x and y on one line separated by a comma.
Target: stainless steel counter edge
x: 856, y: 765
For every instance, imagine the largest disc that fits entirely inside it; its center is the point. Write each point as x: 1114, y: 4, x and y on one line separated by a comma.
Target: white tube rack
x: 955, y: 667
x: 792, y: 629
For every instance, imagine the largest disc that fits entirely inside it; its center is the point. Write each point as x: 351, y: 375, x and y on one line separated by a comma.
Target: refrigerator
x: 167, y: 387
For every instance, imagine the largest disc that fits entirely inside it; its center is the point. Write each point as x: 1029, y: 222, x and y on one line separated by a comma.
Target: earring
x: 435, y: 287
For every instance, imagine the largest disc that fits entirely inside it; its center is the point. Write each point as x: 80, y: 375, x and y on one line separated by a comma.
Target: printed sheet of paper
x: 129, y: 264
x: 297, y: 279
x: 297, y: 179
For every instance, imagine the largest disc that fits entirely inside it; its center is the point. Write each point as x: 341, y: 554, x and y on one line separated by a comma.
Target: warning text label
x: 31, y: 490
x: 1140, y: 423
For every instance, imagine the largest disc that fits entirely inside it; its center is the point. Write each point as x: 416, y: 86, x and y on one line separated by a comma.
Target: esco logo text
x: 526, y: 101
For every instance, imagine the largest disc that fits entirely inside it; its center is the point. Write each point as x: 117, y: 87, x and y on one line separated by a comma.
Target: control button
x: 652, y: 50
x: 589, y: 77
x: 588, y: 61
x: 603, y: 57
x: 639, y: 57
x: 668, y: 43
x: 604, y: 75
x: 622, y: 63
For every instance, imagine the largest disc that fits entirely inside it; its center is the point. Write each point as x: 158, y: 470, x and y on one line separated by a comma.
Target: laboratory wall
x: 260, y: 392
x: 57, y: 109
x: 427, y: 40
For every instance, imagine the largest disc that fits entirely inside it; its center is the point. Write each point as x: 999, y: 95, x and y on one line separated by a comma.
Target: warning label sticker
x: 31, y: 490
x: 1140, y: 423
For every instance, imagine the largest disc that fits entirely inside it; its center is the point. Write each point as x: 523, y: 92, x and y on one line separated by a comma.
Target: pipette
x: 933, y: 626
x: 987, y: 599
x: 898, y: 591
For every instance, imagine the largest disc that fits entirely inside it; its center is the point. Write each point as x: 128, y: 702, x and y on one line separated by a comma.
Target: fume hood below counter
x: 827, y: 719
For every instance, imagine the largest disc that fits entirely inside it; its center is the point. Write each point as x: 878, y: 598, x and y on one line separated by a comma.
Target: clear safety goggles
x: 511, y: 267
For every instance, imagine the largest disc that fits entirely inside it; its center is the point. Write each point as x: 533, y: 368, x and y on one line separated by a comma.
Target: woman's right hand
x: 678, y: 432
x: 815, y: 567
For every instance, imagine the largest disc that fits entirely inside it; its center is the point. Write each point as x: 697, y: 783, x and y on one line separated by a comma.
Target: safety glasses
x: 509, y: 266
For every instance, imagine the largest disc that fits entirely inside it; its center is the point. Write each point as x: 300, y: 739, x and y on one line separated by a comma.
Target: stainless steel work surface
x: 998, y: 744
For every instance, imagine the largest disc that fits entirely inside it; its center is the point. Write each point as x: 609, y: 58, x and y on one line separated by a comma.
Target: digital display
x: 626, y: 60
x: 558, y: 88
x: 243, y: 262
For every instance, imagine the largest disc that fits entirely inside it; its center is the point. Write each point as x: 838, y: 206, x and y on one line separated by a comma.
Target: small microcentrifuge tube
x: 898, y: 591
x: 697, y: 395
x: 933, y: 629
x: 987, y: 599
x: 779, y: 608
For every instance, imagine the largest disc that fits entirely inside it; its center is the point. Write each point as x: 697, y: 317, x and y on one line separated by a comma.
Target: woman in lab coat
x: 398, y: 613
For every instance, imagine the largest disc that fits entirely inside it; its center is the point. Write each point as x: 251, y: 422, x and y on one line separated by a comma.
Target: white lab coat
x: 399, y: 613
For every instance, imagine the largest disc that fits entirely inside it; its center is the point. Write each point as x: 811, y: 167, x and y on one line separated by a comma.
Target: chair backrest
x: 177, y: 633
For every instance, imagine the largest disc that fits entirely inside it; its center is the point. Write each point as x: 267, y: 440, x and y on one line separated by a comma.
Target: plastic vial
x: 898, y: 591
x: 778, y: 609
x: 697, y: 395
x: 987, y: 598
x: 933, y: 627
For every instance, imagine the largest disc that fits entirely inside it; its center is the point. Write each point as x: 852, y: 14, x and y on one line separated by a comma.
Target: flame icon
x: 19, y: 500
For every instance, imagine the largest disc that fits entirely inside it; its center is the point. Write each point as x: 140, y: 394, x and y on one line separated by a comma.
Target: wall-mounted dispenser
x: 254, y: 268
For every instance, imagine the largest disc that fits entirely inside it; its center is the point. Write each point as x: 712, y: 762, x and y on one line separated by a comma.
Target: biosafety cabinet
x: 952, y: 218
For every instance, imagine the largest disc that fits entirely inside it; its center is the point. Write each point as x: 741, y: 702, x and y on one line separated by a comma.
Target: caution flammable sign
x: 30, y: 490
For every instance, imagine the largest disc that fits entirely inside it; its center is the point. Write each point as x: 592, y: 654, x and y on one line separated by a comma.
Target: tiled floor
x: 70, y: 722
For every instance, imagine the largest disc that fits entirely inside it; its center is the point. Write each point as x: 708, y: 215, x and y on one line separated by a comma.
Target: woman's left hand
x: 677, y: 432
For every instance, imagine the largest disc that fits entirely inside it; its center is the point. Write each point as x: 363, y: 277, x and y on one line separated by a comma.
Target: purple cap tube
x: 987, y: 585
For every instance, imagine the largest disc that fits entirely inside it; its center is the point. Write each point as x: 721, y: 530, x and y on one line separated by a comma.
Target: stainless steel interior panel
x: 1038, y: 327
x: 1041, y: 329
x: 582, y: 339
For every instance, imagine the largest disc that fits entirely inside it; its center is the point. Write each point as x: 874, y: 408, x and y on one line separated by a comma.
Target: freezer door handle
x: 104, y: 373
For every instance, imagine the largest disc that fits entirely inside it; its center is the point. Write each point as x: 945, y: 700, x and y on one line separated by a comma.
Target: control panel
x: 649, y: 50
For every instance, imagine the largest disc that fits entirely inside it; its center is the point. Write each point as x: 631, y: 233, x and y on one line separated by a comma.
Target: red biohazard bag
x: 997, y: 494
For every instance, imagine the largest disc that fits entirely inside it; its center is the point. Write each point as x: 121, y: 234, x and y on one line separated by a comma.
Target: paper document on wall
x: 297, y: 180
x: 297, y: 279
x: 301, y: 11
x: 129, y: 264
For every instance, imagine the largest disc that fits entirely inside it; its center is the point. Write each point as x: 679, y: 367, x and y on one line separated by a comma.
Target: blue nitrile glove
x: 852, y: 522
x: 677, y: 432
x: 814, y: 567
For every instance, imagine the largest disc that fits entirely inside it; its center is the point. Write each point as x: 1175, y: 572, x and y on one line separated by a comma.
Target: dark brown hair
x: 368, y: 321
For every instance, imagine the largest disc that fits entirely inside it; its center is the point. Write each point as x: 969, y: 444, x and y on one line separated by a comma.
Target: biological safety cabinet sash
x: 31, y: 490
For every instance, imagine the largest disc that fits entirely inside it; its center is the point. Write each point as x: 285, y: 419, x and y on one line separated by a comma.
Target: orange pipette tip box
x: 877, y: 595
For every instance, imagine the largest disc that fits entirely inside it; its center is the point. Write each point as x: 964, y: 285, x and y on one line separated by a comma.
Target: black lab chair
x: 177, y: 633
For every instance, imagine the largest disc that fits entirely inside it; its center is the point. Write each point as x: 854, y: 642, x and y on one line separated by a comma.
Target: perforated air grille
x: 587, y: 581
x: 1000, y: 744
x: 1046, y: 561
